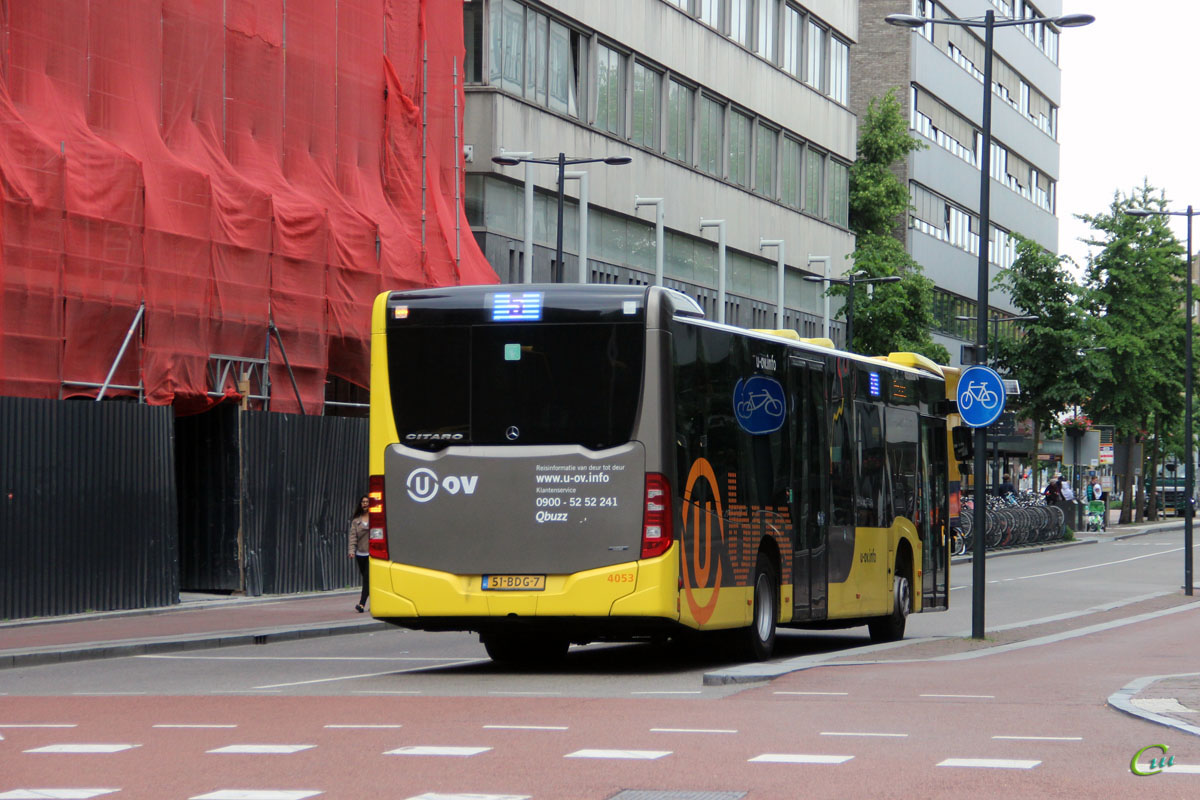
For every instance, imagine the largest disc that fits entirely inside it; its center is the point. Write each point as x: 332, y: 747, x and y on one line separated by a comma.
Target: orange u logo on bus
x: 697, y: 533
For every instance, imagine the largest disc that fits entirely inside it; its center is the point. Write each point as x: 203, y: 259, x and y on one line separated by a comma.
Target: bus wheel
x: 891, y: 627
x: 758, y: 640
x: 524, y: 649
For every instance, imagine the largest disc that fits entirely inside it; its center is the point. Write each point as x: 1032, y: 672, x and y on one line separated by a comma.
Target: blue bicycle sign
x: 981, y: 396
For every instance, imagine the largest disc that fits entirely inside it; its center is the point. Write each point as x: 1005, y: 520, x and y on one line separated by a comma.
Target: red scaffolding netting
x: 229, y: 165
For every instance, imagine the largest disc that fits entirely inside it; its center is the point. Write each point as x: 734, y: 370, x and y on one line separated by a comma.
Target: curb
x: 37, y: 656
x: 1122, y: 700
x: 200, y: 601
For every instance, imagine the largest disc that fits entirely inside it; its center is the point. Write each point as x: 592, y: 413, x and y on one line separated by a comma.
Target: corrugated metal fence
x: 88, y: 515
x: 114, y: 505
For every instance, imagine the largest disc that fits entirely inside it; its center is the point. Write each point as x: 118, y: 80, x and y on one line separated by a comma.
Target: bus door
x: 934, y: 511
x: 810, y: 486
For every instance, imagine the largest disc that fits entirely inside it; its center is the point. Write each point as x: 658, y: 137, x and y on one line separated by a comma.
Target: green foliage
x: 1135, y: 299
x: 1044, y: 360
x: 877, y: 197
x: 897, y: 316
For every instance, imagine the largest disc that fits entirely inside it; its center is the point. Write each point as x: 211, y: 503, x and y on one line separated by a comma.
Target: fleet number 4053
x: 621, y: 577
x: 593, y: 502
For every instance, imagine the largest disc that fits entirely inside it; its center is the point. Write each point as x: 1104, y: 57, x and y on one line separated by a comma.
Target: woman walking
x: 360, y: 528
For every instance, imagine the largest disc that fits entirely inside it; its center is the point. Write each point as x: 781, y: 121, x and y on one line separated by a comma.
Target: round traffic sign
x: 980, y: 397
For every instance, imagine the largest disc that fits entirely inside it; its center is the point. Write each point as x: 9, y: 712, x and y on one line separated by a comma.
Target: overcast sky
x: 1127, y: 111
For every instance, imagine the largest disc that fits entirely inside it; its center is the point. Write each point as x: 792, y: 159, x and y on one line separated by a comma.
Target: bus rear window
x: 516, y: 384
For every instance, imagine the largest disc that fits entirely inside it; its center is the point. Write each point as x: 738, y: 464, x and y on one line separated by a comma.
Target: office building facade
x: 735, y: 113
x: 937, y: 72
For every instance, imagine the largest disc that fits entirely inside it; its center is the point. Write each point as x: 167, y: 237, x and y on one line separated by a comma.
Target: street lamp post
x: 989, y: 23
x: 850, y: 281
x: 562, y: 162
x: 1189, y: 468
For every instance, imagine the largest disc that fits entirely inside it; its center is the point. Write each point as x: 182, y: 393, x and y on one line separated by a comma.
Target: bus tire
x: 757, y: 641
x: 891, y: 627
x: 524, y: 649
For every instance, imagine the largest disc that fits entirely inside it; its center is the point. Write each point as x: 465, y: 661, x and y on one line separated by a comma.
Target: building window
x: 766, y: 141
x: 610, y: 90
x: 508, y: 46
x: 680, y: 100
x: 711, y: 124
x: 764, y: 35
x: 793, y: 33
x: 646, y: 82
x: 473, y: 39
x: 740, y: 20
x: 839, y: 70
x: 839, y: 194
x: 814, y: 73
x: 739, y: 148
x: 814, y: 181
x: 567, y: 51
x: 791, y: 190
x: 709, y: 12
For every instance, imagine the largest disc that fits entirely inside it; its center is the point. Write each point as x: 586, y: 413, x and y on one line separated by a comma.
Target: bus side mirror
x: 964, y: 443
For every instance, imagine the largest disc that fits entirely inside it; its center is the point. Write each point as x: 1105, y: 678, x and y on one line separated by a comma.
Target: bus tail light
x: 657, y: 532
x: 377, y: 539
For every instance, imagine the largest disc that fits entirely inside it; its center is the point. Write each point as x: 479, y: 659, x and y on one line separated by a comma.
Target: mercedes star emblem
x: 513, y: 433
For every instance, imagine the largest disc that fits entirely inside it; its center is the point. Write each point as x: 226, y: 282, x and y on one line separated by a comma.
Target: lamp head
x: 905, y: 21
x: 505, y: 161
x: 1074, y: 20
x: 617, y: 161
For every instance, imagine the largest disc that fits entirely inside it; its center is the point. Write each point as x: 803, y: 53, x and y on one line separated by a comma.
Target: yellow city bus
x: 558, y: 464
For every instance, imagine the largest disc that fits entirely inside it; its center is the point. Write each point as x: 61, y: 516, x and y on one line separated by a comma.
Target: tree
x: 1135, y: 298
x: 894, y: 316
x: 1044, y: 359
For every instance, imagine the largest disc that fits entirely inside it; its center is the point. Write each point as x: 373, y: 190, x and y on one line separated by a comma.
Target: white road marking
x: 799, y: 758
x: 989, y: 763
x: 882, y: 735
x: 375, y: 674
x: 1182, y: 769
x: 169, y: 657
x: 54, y: 794
x: 427, y: 750
x: 1041, y: 738
x: 363, y: 726
x: 191, y: 725
x: 262, y: 749
x: 38, y: 725
x: 385, y: 691
x: 1091, y: 566
x: 526, y: 694
x: 692, y: 730
x: 961, y: 696
x: 258, y: 794
x: 440, y: 796
x: 525, y: 727
x: 818, y: 694
x: 643, y: 755
x: 83, y: 748
x: 689, y: 691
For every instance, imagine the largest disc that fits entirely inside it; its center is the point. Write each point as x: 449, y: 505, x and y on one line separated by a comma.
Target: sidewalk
x: 199, y: 621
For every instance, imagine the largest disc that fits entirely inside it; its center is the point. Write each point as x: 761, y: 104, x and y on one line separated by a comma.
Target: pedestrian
x: 1006, y: 487
x: 1053, y: 493
x: 360, y: 528
x: 1096, y: 489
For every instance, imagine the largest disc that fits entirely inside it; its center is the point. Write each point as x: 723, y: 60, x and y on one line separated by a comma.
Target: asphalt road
x: 409, y: 715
